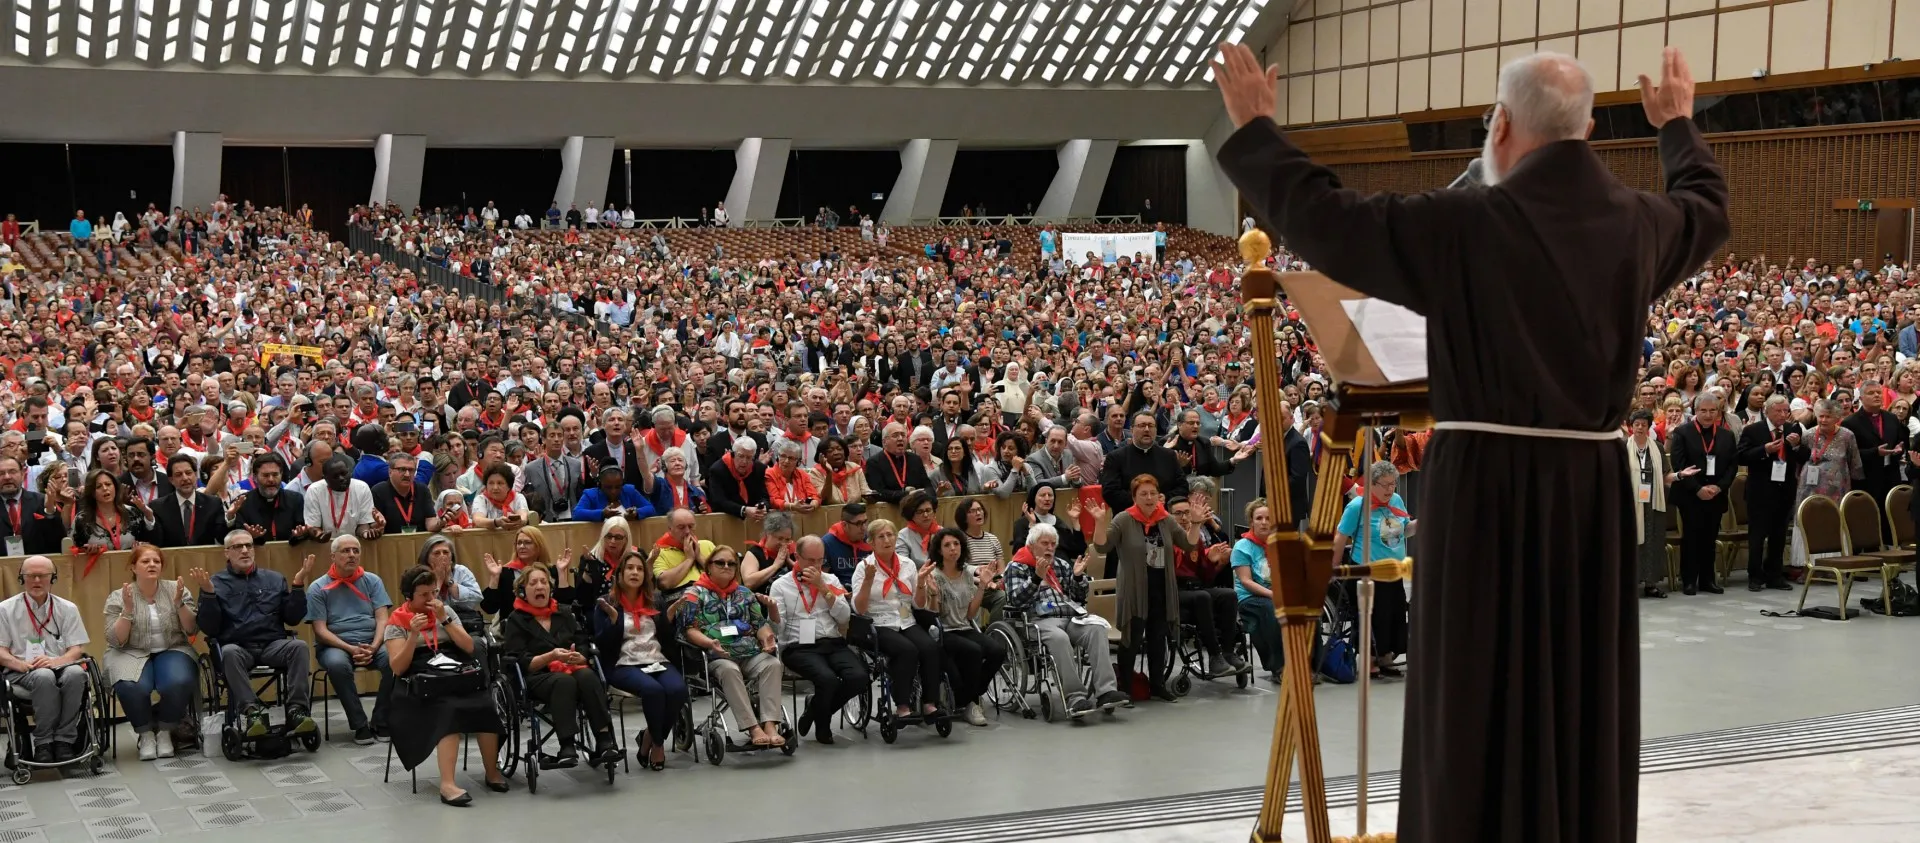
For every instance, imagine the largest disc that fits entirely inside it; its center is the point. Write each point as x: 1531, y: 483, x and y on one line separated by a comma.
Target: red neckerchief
x: 1234, y: 420
x: 1249, y: 536
x: 536, y: 611
x: 802, y: 437
x: 237, y: 430
x: 1388, y: 506
x: 494, y: 421
x: 722, y: 593
x: 340, y: 579
x: 739, y: 478
x: 195, y: 439
x: 838, y: 477
x: 463, y: 521
x: 893, y: 582
x: 1024, y: 556
x: 517, y: 564
x: 500, y: 503
x: 652, y: 438
x: 136, y: 415
x: 1148, y: 519
x: 682, y: 495
x: 810, y: 595
x: 839, y: 531
x: 402, y: 617
x: 639, y: 608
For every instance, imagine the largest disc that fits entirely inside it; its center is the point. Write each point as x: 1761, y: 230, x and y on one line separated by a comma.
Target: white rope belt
x: 1615, y: 435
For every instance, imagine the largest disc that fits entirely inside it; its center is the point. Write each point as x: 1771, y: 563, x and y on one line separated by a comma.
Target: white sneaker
x: 148, y: 751
x: 975, y: 715
x: 164, y: 739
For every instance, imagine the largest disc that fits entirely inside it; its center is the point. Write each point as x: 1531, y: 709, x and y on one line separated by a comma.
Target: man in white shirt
x: 342, y: 505
x: 522, y: 221
x: 591, y: 218
x: 814, y: 611
x: 42, y: 640
x: 720, y: 214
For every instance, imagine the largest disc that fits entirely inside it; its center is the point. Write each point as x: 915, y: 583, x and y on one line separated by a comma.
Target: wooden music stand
x: 1302, y: 564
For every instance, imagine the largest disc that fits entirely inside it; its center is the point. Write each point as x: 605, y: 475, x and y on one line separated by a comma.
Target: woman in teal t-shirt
x: 1387, y: 539
x: 1252, y: 583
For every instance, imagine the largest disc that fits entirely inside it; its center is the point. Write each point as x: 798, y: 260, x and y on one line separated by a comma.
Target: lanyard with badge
x: 1779, y: 472
x: 16, y: 546
x: 37, y: 639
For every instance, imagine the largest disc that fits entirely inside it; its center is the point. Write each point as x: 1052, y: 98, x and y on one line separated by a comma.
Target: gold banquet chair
x: 1733, y: 531
x: 1674, y: 536
x: 1819, y: 522
x: 1863, y: 529
x: 1900, y: 519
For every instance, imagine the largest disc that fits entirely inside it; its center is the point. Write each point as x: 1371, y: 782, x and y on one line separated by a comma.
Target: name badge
x: 803, y: 629
x: 1886, y: 460
x: 729, y: 631
x: 1711, y: 462
x: 16, y: 547
x: 906, y: 610
x: 407, y: 530
x: 1779, y: 474
x: 1811, y: 475
x: 1644, y: 492
x: 35, y: 649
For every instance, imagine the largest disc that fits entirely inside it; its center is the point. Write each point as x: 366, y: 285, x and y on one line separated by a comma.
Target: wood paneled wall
x: 1781, y: 184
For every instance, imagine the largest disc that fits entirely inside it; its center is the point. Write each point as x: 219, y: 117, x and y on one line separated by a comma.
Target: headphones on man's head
x: 20, y: 575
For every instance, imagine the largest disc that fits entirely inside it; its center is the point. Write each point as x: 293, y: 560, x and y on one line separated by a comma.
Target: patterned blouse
x: 739, y: 612
x: 1834, y: 463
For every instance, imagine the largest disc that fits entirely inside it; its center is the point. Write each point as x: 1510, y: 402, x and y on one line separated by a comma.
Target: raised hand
x: 1674, y: 96
x: 126, y: 596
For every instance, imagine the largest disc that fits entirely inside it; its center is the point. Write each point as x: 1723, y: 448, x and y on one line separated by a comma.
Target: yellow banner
x: 269, y: 350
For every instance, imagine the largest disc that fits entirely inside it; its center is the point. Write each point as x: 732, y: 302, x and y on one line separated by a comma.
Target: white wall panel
x: 1300, y: 47
x: 1383, y: 90
x: 1413, y: 85
x: 1353, y: 39
x: 1326, y: 44
x: 1640, y: 48
x: 1481, y: 69
x: 1416, y: 26
x: 1299, y: 100
x: 1448, y: 16
x: 1797, y: 44
x: 1353, y: 93
x: 1384, y: 34
x: 1557, y: 16
x: 1483, y: 22
x: 1632, y: 11
x: 1682, y: 7
x: 1564, y: 45
x: 1518, y: 19
x: 1694, y: 37
x: 1445, y: 73
x: 1600, y: 52
x: 1742, y: 44
x: 1859, y: 31
x: 1326, y: 96
x: 1594, y: 13
x: 1906, y: 29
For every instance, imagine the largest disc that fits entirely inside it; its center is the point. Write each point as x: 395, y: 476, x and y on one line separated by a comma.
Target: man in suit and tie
x: 952, y: 417
x: 618, y: 449
x: 555, y: 480
x: 25, y: 525
x: 1709, y: 446
x: 915, y: 368
x: 186, y: 516
x: 1882, y: 438
x: 1774, y: 452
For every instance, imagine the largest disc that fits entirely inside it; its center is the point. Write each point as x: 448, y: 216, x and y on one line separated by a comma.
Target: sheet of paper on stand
x: 1394, y: 335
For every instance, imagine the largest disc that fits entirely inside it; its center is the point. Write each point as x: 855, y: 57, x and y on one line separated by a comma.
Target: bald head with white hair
x: 1543, y: 98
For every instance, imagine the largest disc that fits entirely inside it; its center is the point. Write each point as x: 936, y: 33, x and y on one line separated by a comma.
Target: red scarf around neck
x: 543, y: 612
x: 502, y: 503
x: 839, y: 531
x: 1388, y: 506
x: 1148, y: 519
x: 340, y: 579
x: 652, y: 438
x: 892, y: 581
x: 640, y: 608
x: 738, y: 477
x: 723, y: 593
x: 402, y: 617
x: 1024, y: 556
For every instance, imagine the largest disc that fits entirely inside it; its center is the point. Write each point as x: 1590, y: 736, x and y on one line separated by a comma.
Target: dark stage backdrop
x: 514, y: 180
x: 48, y: 181
x: 1143, y: 173
x: 328, y: 179
x: 999, y: 182
x: 837, y: 178
x: 675, y: 182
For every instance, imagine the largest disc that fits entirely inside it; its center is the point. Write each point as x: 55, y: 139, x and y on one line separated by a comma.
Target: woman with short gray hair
x: 1387, y: 531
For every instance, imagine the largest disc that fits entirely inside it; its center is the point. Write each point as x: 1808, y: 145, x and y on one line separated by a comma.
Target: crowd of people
x: 245, y: 379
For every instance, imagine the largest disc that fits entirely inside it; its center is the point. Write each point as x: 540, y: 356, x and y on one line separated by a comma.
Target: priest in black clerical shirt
x: 1523, y: 709
x: 1882, y: 438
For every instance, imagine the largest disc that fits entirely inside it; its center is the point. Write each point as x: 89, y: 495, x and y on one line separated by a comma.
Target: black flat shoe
x: 461, y: 801
x: 806, y: 722
x: 1713, y: 589
x: 1689, y: 591
x: 1754, y: 586
x: 498, y: 787
x: 1779, y: 585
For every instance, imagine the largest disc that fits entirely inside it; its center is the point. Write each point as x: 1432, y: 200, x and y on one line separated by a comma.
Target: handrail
x: 363, y: 240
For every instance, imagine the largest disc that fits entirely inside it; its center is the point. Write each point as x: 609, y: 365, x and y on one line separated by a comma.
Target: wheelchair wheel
x: 716, y: 746
x: 1182, y: 684
x: 311, y: 741
x: 792, y: 740
x: 683, y: 730
x: 22, y: 775
x: 888, y: 731
x: 230, y: 744
x: 1007, y: 691
x: 1046, y: 705
x: 508, y: 754
x: 857, y: 713
x: 533, y: 776
x: 1244, y: 679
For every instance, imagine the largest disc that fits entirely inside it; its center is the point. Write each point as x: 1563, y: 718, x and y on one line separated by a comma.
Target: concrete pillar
x: 1082, y: 177
x: 398, y: 163
x: 585, y: 166
x: 924, y: 167
x: 759, y: 168
x: 196, y: 169
x: 1212, y: 201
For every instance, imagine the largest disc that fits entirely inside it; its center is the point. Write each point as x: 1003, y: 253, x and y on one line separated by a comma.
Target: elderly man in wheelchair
x: 43, y: 662
x: 1051, y: 593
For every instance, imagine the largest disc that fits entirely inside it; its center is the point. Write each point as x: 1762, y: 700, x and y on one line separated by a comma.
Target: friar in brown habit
x: 1523, y: 706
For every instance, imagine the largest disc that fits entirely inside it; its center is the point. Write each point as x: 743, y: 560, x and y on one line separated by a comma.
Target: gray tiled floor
x: 1708, y: 663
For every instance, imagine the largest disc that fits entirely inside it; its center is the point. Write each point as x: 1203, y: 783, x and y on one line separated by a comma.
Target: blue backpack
x: 1336, y: 662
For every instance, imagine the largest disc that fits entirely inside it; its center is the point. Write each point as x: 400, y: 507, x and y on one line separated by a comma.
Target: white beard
x: 1490, y: 172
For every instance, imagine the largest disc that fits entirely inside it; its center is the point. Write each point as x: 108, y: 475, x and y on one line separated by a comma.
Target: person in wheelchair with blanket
x: 1052, y: 592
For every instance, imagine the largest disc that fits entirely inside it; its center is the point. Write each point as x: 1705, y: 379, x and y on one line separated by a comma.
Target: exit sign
x: 1866, y: 204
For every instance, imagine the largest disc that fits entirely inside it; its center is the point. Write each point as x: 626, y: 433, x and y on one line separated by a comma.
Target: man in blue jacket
x: 248, y: 609
x: 611, y: 498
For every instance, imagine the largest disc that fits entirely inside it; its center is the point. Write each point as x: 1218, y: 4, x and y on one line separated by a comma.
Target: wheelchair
x: 1190, y: 660
x: 521, y: 714
x: 235, y: 743
x: 715, y: 732
x: 95, y: 726
x: 878, y: 707
x: 1030, y: 670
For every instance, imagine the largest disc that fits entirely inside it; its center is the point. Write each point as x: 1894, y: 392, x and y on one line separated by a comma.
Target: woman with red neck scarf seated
x: 1387, y: 539
x: 727, y: 621
x: 529, y: 550
x: 551, y: 650
x: 630, y: 634
x: 837, y: 476
x: 886, y: 588
x: 1212, y: 610
x: 423, y: 629
x: 789, y: 487
x: 1145, y: 539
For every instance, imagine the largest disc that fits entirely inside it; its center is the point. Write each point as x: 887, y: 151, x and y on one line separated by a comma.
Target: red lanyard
x: 39, y: 625
x: 1706, y: 440
x: 900, y: 472
x: 1823, y: 448
x: 553, y: 474
x: 406, y: 512
x: 339, y: 514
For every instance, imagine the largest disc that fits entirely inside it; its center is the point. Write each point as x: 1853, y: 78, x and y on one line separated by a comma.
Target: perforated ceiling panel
x: 1092, y: 43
